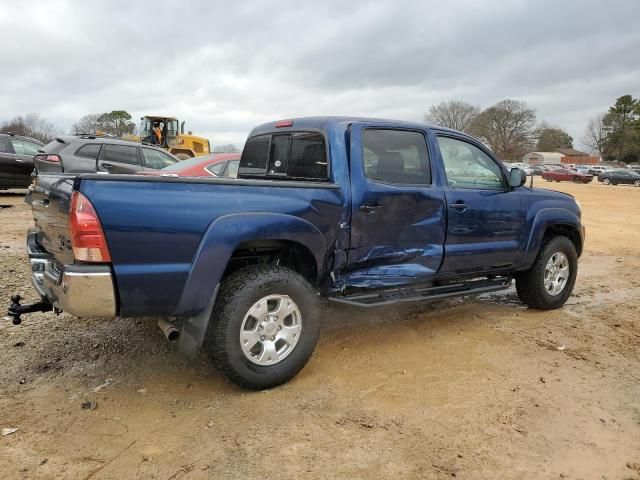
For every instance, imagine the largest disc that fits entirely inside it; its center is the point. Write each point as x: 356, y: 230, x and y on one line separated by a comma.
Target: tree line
x: 511, y: 130
x: 509, y: 127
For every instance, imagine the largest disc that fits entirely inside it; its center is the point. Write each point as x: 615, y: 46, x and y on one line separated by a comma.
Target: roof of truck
x: 328, y: 121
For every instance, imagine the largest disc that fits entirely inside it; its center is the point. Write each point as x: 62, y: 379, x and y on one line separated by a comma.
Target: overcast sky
x: 225, y: 67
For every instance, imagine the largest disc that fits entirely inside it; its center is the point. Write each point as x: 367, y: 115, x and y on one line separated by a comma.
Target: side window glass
x: 232, y: 169
x: 396, y: 156
x: 216, y: 168
x: 24, y: 147
x: 89, y: 151
x: 119, y: 154
x: 255, y: 155
x: 3, y: 146
x: 308, y: 157
x: 467, y: 166
x: 155, y: 159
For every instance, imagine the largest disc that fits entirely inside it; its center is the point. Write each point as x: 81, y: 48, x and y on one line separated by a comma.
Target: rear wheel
x: 264, y: 326
x: 636, y: 183
x: 606, y: 181
x: 549, y: 282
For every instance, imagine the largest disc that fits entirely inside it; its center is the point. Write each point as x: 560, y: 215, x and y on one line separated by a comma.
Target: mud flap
x: 194, y: 329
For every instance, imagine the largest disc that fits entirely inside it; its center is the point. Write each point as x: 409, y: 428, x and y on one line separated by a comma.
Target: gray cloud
x: 227, y: 67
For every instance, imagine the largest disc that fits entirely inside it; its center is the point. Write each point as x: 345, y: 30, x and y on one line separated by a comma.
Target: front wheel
x: 636, y: 183
x: 549, y: 282
x: 606, y: 181
x: 264, y: 327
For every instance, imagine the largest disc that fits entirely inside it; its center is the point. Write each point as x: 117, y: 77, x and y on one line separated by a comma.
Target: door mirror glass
x: 517, y: 177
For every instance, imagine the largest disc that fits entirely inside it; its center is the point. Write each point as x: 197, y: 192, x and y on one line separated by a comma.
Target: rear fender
x: 225, y: 234
x: 545, y: 220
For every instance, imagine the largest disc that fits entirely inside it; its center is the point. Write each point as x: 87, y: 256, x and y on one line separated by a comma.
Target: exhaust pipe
x: 169, y: 329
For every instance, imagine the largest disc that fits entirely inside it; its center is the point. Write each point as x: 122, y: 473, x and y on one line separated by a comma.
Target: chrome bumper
x: 81, y: 290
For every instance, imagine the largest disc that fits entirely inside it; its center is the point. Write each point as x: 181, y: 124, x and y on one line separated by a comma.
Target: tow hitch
x: 15, y: 309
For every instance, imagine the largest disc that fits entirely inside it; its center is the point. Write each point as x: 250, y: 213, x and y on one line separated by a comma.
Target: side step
x: 398, y: 295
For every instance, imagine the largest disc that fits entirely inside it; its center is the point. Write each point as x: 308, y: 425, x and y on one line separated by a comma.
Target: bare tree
x: 507, y: 127
x: 595, y: 136
x: 454, y: 114
x: 87, y: 124
x: 31, y: 125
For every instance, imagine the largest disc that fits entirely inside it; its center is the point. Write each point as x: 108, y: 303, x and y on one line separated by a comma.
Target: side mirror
x: 517, y: 177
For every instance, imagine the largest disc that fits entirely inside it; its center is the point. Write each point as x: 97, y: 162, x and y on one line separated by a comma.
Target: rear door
x: 398, y: 212
x: 486, y: 218
x: 116, y: 158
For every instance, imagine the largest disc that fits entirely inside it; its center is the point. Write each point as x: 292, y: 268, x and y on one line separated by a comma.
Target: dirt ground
x: 471, y: 389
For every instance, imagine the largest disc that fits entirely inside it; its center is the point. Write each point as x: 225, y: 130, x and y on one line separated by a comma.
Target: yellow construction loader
x: 168, y: 133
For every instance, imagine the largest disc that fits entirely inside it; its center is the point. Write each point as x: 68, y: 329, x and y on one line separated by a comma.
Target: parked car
x: 91, y: 154
x: 614, y: 177
x: 566, y: 175
x: 598, y: 169
x: 16, y: 160
x: 216, y: 165
x: 364, y: 212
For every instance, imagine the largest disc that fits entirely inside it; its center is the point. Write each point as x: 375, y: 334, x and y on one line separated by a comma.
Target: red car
x: 564, y: 175
x: 223, y: 165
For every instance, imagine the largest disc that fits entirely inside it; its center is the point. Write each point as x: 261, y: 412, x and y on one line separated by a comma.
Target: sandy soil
x: 474, y: 388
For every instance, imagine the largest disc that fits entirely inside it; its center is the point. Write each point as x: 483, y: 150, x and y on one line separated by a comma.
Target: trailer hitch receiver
x: 16, y: 310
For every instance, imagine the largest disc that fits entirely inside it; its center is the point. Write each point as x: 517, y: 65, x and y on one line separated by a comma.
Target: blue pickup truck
x: 359, y: 211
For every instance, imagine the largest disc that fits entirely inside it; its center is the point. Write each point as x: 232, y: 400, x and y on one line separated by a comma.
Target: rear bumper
x: 82, y: 290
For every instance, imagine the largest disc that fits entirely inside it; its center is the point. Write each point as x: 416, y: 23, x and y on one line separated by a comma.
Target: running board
x: 401, y: 295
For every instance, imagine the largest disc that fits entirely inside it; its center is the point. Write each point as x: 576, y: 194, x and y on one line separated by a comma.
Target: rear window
x: 156, y: 159
x: 119, y: 154
x: 24, y: 147
x: 90, y: 150
x: 297, y: 155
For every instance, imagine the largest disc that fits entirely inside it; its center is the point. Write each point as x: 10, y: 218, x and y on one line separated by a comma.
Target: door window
x: 467, y: 166
x: 156, y: 159
x: 216, y: 168
x: 396, y: 156
x: 3, y: 146
x: 119, y: 154
x: 24, y: 147
x: 232, y: 169
x: 89, y: 151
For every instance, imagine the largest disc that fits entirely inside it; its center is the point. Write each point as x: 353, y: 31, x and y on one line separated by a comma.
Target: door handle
x: 370, y: 208
x: 459, y: 206
x: 108, y: 166
x: 19, y: 160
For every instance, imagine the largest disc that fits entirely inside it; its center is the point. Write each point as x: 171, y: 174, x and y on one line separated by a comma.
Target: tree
x: 507, y: 128
x: 117, y: 122
x: 454, y: 114
x: 88, y: 124
x: 229, y: 148
x: 595, y: 136
x: 550, y: 138
x: 31, y: 125
x: 622, y: 125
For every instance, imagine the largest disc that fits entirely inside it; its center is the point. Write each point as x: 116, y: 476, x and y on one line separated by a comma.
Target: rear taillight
x: 87, y: 238
x: 49, y: 158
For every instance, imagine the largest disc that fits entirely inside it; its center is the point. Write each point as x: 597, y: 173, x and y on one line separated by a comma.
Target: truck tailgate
x: 50, y: 201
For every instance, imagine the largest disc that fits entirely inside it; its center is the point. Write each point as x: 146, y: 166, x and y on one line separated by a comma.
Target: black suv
x: 16, y: 160
x: 91, y: 153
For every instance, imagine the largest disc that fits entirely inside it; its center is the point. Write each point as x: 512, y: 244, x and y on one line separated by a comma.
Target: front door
x: 398, y: 214
x: 486, y: 218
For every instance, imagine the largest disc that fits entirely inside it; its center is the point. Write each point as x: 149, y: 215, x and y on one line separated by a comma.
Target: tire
x: 183, y: 156
x: 636, y: 183
x: 606, y: 181
x: 239, y: 294
x: 549, y: 180
x: 530, y: 284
